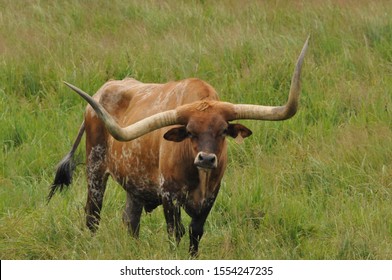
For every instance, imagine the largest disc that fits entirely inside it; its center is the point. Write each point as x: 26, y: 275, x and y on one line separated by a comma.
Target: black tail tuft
x: 64, y: 173
x: 66, y: 167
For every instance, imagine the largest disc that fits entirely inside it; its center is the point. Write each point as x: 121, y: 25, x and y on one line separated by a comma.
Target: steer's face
x: 206, y: 132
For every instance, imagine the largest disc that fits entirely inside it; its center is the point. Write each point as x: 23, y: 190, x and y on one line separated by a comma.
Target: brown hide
x: 151, y: 167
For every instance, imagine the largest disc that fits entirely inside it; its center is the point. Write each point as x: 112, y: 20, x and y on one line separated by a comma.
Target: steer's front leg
x: 196, y: 230
x: 172, y: 213
x: 132, y: 213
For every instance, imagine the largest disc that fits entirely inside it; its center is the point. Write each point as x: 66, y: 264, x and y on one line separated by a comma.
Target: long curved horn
x: 133, y: 131
x: 276, y: 113
x: 178, y: 116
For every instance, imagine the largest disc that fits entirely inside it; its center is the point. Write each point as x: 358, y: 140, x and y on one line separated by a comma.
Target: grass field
x: 318, y: 186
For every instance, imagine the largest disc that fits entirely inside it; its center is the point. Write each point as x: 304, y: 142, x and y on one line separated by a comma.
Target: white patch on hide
x: 94, y: 176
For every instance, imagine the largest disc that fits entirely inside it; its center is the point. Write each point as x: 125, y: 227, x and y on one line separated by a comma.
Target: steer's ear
x: 176, y: 134
x: 238, y: 132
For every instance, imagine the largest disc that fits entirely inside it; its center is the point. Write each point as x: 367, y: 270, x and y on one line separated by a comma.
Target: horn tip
x: 303, y: 51
x: 71, y: 86
x: 307, y: 41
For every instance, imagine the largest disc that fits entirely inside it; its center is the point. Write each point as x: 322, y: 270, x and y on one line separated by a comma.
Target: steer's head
x: 206, y: 128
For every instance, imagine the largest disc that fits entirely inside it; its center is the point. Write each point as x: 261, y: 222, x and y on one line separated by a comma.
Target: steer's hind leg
x: 132, y: 213
x: 96, y: 191
x: 97, y: 178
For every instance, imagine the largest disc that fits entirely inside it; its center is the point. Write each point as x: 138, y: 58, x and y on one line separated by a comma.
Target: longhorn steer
x: 164, y: 144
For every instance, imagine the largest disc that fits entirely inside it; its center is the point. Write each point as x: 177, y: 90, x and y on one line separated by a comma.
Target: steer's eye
x: 224, y: 132
x: 191, y: 135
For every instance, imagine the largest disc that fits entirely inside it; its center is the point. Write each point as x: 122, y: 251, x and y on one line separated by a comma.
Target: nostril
x: 206, y: 160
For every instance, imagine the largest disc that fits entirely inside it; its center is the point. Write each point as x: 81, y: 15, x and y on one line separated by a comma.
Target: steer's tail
x: 66, y: 167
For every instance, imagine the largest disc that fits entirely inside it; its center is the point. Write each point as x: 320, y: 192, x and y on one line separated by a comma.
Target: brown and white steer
x: 164, y: 144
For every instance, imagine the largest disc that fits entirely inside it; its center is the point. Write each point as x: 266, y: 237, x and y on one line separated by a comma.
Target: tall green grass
x: 317, y: 186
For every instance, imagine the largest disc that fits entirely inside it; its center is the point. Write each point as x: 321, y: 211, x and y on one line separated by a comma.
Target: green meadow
x: 317, y: 186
